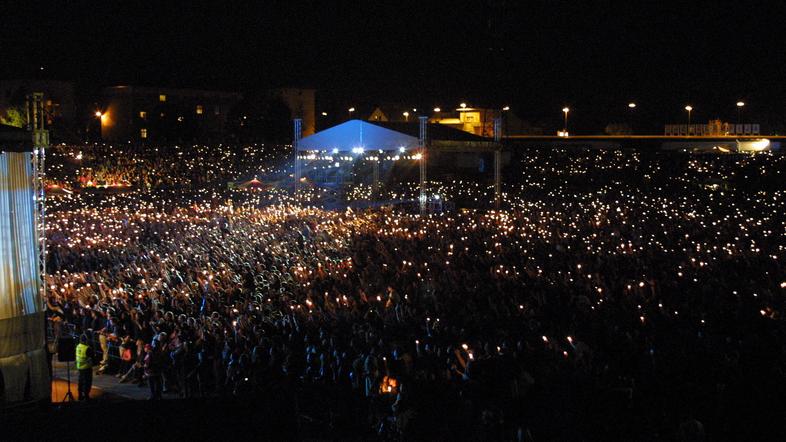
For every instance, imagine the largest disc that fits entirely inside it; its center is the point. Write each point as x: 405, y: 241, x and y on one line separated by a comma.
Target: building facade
x: 713, y: 128
x: 131, y: 113
x: 476, y: 121
x: 302, y: 104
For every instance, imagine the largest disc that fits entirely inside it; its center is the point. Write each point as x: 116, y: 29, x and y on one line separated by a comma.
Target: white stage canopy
x: 357, y: 134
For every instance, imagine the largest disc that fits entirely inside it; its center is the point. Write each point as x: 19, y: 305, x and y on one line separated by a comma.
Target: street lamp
x: 100, y: 116
x: 324, y: 114
x: 463, y: 105
x: 350, y: 110
x: 565, y: 110
x: 406, y: 116
x: 689, y: 108
x: 632, y: 107
x: 437, y: 109
x: 740, y: 105
x: 504, y: 127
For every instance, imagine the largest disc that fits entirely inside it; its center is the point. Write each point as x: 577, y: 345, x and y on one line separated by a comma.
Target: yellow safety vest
x: 82, y: 361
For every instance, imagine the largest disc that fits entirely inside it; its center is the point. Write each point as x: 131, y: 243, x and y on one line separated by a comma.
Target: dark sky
x: 535, y: 55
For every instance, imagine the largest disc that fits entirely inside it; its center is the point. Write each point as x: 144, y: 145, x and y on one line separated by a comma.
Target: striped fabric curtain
x: 23, y: 365
x: 19, y: 276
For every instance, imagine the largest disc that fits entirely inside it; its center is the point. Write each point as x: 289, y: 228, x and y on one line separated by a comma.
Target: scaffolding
x: 298, y: 133
x: 497, y: 163
x: 423, y: 143
x: 36, y: 120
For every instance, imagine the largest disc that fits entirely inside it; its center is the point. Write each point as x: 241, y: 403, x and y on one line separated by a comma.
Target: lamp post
x: 349, y: 111
x: 100, y: 117
x: 406, y: 116
x: 565, y: 110
x: 505, y: 110
x: 740, y: 105
x: 632, y: 107
x: 437, y: 110
x: 322, y: 121
x: 689, y: 108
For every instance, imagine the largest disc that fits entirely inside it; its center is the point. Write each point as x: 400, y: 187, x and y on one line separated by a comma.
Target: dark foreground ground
x: 276, y: 417
x: 208, y: 419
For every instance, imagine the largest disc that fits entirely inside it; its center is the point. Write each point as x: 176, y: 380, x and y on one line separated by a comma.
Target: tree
x: 618, y: 129
x: 12, y: 116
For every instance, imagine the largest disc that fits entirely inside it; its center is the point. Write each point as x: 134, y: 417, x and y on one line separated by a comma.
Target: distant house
x: 394, y: 113
x: 378, y: 115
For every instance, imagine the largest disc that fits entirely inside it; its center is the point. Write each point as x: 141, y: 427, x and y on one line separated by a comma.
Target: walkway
x: 106, y: 387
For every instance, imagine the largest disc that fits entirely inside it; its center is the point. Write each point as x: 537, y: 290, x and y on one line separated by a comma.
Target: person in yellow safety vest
x: 84, y: 365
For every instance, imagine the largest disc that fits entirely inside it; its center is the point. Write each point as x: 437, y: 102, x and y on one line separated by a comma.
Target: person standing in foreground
x: 153, y: 371
x: 84, y: 365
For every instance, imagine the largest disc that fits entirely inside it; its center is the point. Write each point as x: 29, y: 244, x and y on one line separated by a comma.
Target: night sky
x: 536, y: 56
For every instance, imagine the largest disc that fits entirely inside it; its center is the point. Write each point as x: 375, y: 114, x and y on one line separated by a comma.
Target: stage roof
x: 356, y: 134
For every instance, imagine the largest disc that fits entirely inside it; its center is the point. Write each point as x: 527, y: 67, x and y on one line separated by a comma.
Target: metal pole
x: 296, y: 145
x: 375, y: 187
x: 423, y: 141
x: 497, y: 177
x: 497, y: 162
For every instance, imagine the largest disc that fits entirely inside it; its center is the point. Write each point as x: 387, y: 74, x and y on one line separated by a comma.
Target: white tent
x: 356, y: 134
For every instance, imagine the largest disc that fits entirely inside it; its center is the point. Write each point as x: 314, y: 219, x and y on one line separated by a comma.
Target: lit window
x: 199, y: 109
x: 162, y: 98
x: 142, y: 114
x: 143, y: 133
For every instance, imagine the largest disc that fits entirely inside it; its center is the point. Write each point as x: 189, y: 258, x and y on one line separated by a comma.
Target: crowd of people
x: 160, y: 166
x: 615, y: 294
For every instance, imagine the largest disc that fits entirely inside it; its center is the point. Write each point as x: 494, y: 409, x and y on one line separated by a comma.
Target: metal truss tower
x: 423, y: 141
x: 36, y: 120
